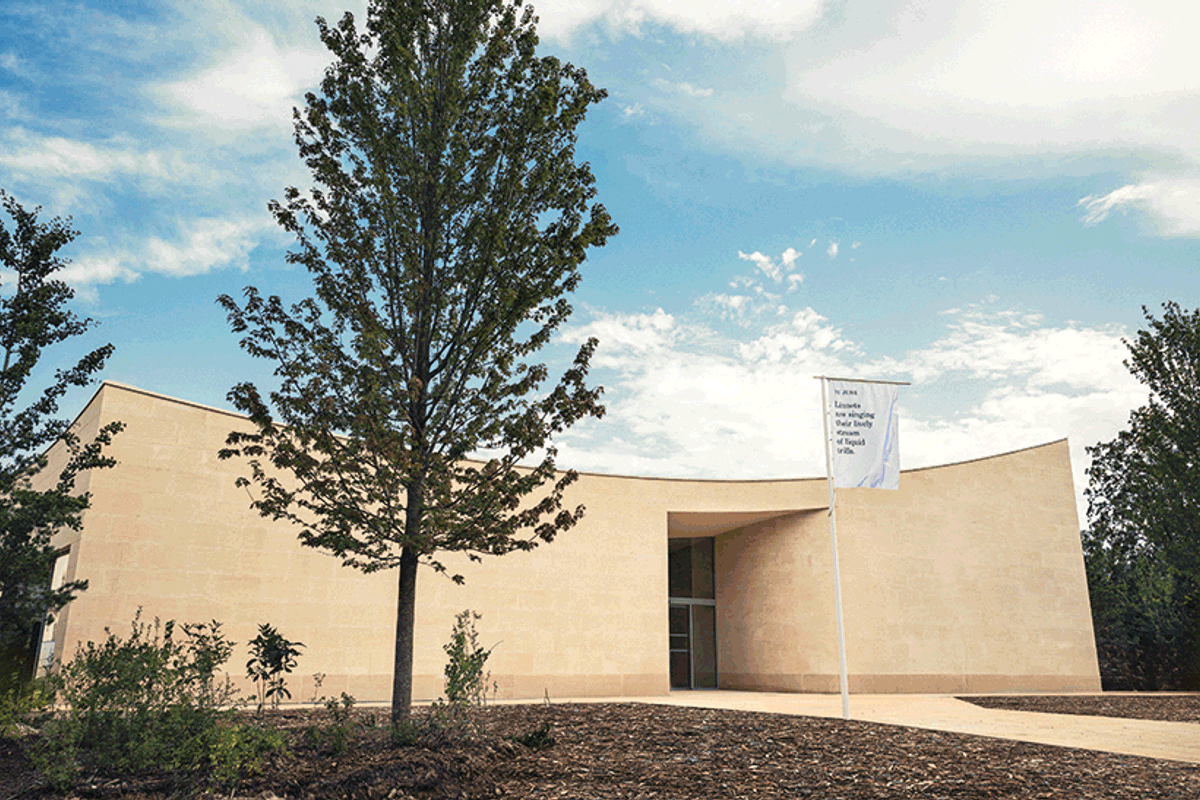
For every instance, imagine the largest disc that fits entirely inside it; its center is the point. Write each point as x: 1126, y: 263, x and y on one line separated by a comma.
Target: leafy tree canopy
x: 448, y: 220
x: 34, y: 317
x: 1143, y: 546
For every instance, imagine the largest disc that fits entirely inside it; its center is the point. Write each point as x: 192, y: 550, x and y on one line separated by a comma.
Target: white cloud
x: 686, y: 400
x: 1172, y: 204
x: 764, y: 264
x: 683, y: 87
x: 993, y: 346
x: 693, y: 91
x: 832, y: 250
x: 255, y: 86
x: 1049, y: 64
x: 77, y: 177
x: 756, y: 300
x: 643, y: 334
x: 1017, y: 88
x: 31, y: 156
x: 98, y: 269
x: 769, y: 19
x: 206, y: 244
x: 201, y: 245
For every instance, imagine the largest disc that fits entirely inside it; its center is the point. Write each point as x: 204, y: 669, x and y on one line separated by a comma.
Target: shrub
x: 341, y: 728
x: 239, y: 750
x: 466, y: 681
x: 28, y: 704
x: 148, y: 702
x: 467, y: 687
x: 271, y: 656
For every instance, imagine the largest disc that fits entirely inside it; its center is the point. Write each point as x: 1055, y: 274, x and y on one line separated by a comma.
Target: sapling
x: 271, y: 656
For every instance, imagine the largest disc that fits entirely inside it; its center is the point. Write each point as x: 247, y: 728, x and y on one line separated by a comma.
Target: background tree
x: 1138, y: 615
x: 1143, y: 547
x: 448, y: 220
x: 33, y: 317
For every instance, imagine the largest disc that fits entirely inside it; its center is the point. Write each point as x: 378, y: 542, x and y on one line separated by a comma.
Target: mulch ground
x: 669, y: 753
x: 1165, y: 708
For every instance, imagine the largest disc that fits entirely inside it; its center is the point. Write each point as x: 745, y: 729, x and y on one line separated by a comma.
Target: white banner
x: 864, y: 426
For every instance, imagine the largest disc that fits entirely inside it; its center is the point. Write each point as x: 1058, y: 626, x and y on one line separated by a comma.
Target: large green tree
x: 33, y: 317
x: 1143, y: 546
x: 447, y: 222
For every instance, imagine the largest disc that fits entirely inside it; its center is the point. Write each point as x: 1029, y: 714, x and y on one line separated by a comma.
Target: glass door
x: 693, y: 614
x: 681, y: 647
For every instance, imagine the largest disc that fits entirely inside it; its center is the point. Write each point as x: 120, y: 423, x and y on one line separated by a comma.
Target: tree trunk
x: 405, y: 619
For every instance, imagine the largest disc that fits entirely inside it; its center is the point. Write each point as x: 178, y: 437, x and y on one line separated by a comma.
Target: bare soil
x: 633, y: 750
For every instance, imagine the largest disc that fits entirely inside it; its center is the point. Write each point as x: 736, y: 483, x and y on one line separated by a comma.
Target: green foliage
x: 34, y: 317
x: 538, y: 738
x: 1137, y: 616
x: 27, y: 704
x: 55, y: 753
x: 271, y: 656
x: 318, y: 680
x: 340, y: 727
x: 150, y: 671
x: 447, y: 223
x: 436, y: 726
x: 151, y: 701
x: 238, y: 750
x: 466, y: 680
x: 407, y: 732
x: 467, y: 687
x: 1142, y: 548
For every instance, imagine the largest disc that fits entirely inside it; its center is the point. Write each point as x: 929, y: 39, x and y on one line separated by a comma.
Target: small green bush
x: 271, y: 656
x: 467, y: 687
x: 434, y: 728
x: 466, y: 680
x: 406, y: 732
x: 151, y: 701
x: 29, y: 704
x: 55, y: 753
x: 342, y: 728
x: 239, y: 750
x: 336, y: 735
x: 538, y: 738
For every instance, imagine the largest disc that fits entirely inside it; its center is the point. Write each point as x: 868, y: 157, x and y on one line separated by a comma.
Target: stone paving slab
x: 1177, y: 741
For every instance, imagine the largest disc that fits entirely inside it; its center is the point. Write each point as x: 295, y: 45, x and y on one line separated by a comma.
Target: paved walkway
x: 1177, y: 741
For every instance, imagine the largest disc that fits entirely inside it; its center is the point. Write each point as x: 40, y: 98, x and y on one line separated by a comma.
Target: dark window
x: 690, y: 568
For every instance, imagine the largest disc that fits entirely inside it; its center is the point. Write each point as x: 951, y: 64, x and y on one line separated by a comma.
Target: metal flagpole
x: 837, y: 574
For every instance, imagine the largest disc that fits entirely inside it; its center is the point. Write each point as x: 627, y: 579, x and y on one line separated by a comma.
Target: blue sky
x: 975, y: 197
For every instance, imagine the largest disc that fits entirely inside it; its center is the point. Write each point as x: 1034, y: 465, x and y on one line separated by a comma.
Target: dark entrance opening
x: 693, y: 613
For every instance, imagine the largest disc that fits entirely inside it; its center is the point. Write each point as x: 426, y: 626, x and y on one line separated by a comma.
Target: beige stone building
x: 969, y: 578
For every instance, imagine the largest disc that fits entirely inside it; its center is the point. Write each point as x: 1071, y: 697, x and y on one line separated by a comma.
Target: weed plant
x: 336, y: 735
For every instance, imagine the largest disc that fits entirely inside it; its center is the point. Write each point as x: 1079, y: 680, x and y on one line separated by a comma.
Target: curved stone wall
x: 970, y: 578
